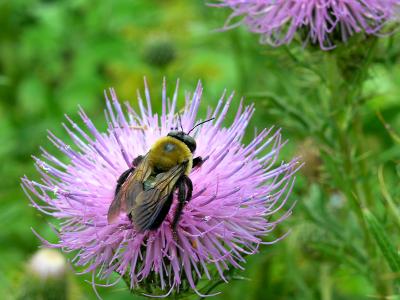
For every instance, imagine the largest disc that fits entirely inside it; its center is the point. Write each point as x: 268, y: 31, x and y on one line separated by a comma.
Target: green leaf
x: 382, y: 239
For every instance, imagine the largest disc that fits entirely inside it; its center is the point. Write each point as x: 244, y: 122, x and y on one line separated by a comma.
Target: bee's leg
x: 189, y: 186
x: 122, y: 179
x: 185, y: 189
x: 197, y: 161
x: 125, y: 175
x: 137, y: 161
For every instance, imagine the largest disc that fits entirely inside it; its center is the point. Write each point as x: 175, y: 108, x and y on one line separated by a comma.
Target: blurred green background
x: 56, y: 55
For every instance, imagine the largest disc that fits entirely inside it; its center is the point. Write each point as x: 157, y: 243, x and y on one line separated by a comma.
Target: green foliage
x: 385, y: 245
x: 340, y: 110
x: 33, y: 289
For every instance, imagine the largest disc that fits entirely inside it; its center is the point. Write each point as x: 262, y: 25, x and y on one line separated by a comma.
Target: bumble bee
x: 146, y: 190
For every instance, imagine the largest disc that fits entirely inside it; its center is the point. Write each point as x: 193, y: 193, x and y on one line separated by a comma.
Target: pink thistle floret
x: 277, y: 21
x: 240, y: 194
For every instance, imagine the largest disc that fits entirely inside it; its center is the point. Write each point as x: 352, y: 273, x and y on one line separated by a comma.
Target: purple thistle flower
x: 278, y: 20
x: 238, y: 194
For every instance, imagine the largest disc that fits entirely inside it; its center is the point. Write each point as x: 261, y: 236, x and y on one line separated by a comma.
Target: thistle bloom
x: 278, y: 20
x: 239, y: 194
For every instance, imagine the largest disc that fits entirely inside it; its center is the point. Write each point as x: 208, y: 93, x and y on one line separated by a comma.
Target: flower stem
x: 342, y: 108
x: 345, y: 85
x: 240, y: 62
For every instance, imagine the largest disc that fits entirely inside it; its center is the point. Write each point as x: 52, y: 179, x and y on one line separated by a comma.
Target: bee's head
x: 185, y: 138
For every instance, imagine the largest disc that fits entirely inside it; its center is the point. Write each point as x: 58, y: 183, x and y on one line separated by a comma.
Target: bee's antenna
x: 180, y: 121
x: 200, y: 124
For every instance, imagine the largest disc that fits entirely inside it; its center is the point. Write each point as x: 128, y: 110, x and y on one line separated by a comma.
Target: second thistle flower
x: 322, y: 22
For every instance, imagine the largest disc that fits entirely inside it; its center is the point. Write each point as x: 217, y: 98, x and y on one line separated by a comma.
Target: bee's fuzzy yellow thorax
x: 168, y: 152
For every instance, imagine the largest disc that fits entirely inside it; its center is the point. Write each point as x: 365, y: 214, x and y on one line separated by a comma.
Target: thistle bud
x: 309, y: 153
x: 45, y: 277
x: 159, y: 53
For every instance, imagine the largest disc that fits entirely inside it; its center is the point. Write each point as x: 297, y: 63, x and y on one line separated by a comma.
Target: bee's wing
x: 149, y: 203
x: 125, y: 198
